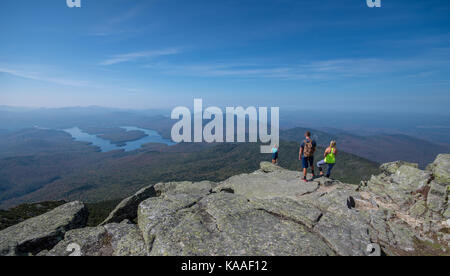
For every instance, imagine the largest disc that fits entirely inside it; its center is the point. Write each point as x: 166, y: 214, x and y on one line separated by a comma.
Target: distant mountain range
x: 380, y: 148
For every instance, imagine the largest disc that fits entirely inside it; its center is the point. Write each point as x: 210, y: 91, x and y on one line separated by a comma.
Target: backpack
x: 308, y: 149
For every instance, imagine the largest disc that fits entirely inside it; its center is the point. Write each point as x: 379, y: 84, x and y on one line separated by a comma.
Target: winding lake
x: 106, y: 145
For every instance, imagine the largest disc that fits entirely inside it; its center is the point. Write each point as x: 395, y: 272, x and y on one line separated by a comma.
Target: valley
x: 70, y: 170
x: 48, y: 164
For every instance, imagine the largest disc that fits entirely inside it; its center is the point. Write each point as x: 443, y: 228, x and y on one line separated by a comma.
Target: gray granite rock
x: 267, y: 212
x: 127, y: 209
x: 114, y: 239
x: 43, y: 232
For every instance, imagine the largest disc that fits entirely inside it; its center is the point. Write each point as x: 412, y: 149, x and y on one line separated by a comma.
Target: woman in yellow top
x: 330, y: 159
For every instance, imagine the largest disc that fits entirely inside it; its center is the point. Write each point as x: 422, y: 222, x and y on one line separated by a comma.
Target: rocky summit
x: 402, y: 211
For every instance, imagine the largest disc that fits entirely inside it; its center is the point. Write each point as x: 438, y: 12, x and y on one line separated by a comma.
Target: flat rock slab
x: 226, y: 224
x: 270, y: 185
x: 185, y: 187
x: 43, y: 232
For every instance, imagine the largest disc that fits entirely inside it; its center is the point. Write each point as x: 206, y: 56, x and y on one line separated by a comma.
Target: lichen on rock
x: 43, y: 232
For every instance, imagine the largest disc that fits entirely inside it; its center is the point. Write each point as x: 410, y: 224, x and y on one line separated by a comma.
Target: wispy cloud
x: 45, y: 77
x: 138, y: 55
x: 314, y: 70
x: 108, y: 32
x: 121, y: 24
x: 127, y: 15
x: 39, y: 77
x: 331, y: 69
x: 223, y: 70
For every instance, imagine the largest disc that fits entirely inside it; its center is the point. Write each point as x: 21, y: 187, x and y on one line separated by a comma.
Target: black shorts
x: 307, y: 162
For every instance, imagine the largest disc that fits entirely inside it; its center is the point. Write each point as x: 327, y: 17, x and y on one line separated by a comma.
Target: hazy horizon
x: 190, y: 105
x: 432, y: 126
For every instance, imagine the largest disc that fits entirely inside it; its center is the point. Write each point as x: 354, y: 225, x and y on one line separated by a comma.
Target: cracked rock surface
x: 42, y: 232
x: 272, y: 212
x: 115, y: 239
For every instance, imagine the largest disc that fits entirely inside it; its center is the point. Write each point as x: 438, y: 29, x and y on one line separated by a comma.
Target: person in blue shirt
x: 306, y: 154
x: 275, y: 154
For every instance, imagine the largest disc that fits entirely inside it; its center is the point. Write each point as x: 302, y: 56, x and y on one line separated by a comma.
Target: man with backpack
x: 306, y: 154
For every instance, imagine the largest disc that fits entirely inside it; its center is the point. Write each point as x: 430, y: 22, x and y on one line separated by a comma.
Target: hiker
x: 306, y: 154
x: 275, y: 154
x: 330, y: 159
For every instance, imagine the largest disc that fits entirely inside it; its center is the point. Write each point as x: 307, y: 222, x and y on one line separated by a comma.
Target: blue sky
x: 328, y: 54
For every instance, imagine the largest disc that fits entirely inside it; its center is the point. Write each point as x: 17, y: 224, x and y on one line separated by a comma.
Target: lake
x: 105, y: 145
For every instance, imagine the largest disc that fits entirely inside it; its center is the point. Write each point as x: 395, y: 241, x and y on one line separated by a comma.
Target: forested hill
x: 93, y: 176
x: 380, y: 148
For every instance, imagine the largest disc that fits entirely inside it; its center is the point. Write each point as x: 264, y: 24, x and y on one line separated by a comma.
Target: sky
x: 324, y: 55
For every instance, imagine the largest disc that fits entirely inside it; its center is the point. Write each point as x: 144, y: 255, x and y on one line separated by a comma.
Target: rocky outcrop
x: 270, y: 212
x: 127, y: 208
x: 441, y: 168
x: 43, y: 232
x: 392, y: 167
x: 114, y: 239
x: 403, y: 211
x: 414, y: 204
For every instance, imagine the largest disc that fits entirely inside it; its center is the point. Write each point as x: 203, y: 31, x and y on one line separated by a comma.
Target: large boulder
x: 268, y: 167
x: 437, y: 197
x: 127, y: 209
x: 173, y: 197
x: 409, y: 179
x: 43, y: 232
x: 185, y: 187
x: 447, y: 213
x: 114, y: 239
x: 400, y: 186
x: 392, y: 167
x: 441, y: 168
